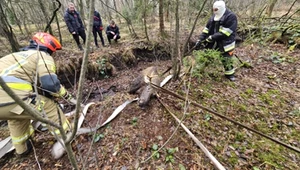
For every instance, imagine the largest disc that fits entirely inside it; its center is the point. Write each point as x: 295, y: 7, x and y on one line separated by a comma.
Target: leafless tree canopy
x: 23, y: 17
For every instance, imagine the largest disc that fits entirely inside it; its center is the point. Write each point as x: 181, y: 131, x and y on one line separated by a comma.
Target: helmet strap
x: 34, y: 46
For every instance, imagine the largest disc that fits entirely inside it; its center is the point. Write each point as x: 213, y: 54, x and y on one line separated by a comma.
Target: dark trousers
x: 111, y: 36
x: 226, y: 57
x: 80, y: 33
x: 95, y: 31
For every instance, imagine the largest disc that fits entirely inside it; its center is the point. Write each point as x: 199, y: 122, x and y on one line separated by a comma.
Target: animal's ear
x: 147, y: 79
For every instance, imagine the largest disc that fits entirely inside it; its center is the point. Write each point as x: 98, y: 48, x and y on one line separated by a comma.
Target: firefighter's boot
x: 27, y: 149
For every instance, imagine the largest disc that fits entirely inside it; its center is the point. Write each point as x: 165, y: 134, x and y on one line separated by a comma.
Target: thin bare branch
x: 193, y: 28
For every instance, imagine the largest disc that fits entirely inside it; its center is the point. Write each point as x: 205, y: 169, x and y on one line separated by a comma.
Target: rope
x: 202, y: 147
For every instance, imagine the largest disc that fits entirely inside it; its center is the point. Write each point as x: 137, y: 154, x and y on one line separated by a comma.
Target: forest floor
x: 265, y: 97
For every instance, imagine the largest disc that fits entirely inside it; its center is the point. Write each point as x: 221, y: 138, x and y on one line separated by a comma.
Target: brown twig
x: 35, y: 156
x: 193, y: 28
x: 68, y: 79
x: 92, y: 142
x: 101, y: 95
x: 288, y: 10
x: 290, y: 17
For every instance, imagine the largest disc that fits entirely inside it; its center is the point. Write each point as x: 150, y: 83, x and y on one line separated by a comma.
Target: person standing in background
x: 97, y: 28
x: 75, y: 25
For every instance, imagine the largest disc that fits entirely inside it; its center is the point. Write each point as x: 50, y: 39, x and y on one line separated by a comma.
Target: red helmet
x: 47, y: 40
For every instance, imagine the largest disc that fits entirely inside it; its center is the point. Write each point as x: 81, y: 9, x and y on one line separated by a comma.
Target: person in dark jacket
x: 97, y: 28
x: 75, y: 25
x: 219, y: 33
x: 112, y: 32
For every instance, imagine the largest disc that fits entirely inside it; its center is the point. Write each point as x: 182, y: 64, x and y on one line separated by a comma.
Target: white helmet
x: 219, y: 9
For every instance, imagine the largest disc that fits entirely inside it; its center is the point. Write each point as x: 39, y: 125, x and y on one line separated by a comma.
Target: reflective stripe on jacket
x: 16, y: 83
x: 20, y: 69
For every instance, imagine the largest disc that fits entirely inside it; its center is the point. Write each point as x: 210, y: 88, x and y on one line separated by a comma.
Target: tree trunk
x: 104, y: 12
x: 191, y: 33
x: 54, y: 15
x: 82, y: 74
x: 115, y: 6
x: 270, y: 7
x: 176, y: 57
x: 108, y: 11
x: 16, y: 18
x: 161, y: 18
x: 145, y: 18
x: 168, y: 11
x: 6, y: 30
x: 28, y: 33
x: 33, y: 13
x: 44, y: 11
x: 81, y: 11
x: 4, y: 44
x: 58, y: 27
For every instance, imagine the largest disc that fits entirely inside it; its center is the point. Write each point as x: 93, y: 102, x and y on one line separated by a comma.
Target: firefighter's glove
x: 209, y: 39
x: 65, y: 94
x: 198, y: 44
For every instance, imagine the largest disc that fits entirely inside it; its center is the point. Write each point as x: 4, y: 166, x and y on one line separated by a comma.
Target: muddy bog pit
x: 129, y: 138
x: 132, y: 58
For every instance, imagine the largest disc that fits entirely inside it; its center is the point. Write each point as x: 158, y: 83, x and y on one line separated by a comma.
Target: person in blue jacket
x: 219, y: 33
x: 97, y: 28
x: 75, y: 25
x: 112, y: 32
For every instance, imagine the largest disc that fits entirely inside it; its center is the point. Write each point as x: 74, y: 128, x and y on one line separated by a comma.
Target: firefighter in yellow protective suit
x: 24, y: 71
